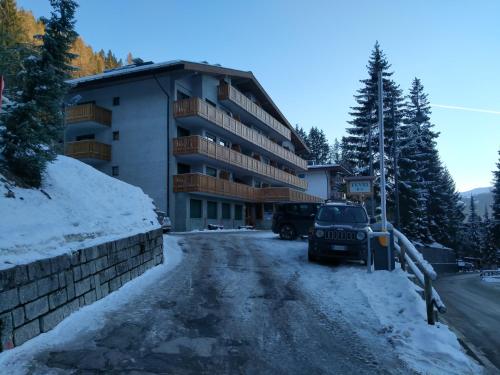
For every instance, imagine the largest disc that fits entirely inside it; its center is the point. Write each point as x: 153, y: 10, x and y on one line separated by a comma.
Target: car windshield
x: 342, y: 214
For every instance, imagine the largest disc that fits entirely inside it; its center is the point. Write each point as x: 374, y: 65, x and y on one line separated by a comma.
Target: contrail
x: 466, y: 109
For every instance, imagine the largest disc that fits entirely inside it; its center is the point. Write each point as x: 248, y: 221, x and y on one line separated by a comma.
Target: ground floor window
x: 195, y: 209
x: 226, y: 211
x: 211, y: 210
x: 238, y: 212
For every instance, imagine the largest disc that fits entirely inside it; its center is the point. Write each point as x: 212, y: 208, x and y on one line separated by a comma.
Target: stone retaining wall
x: 35, y: 297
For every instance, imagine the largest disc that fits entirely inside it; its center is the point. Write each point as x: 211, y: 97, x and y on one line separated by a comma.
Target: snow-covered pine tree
x: 363, y: 131
x: 474, y: 230
x: 346, y: 156
x: 334, y: 155
x: 413, y: 160
x: 33, y: 121
x: 301, y: 133
x: 318, y: 144
x: 495, y: 214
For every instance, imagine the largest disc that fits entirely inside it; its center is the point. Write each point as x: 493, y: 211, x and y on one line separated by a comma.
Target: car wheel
x: 287, y: 232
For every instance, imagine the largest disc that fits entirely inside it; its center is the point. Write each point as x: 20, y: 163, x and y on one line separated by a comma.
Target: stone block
x: 125, y: 278
x: 90, y: 297
x: 39, y: 269
x: 104, y: 289
x: 8, y: 300
x: 57, y: 298
x: 6, y: 332
x: 18, y: 317
x: 71, y: 307
x: 48, y: 284
x: 107, y: 274
x: 115, y: 284
x: 91, y: 253
x: 70, y: 290
x: 12, y: 277
x: 26, y: 332
x: 85, y: 270
x: 28, y: 292
x: 82, y: 286
x: 102, y: 250
x: 77, y: 273
x: 36, y: 308
x: 60, y: 263
x: 62, y: 280
x: 53, y: 318
x: 77, y: 258
x: 121, y: 267
x: 101, y: 263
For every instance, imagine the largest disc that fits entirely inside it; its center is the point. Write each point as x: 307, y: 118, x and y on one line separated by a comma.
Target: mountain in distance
x: 483, y: 197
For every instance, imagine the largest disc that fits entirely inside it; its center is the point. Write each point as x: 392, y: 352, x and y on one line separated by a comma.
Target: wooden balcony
x: 202, y: 146
x: 88, y: 149
x: 200, y: 183
x: 88, y: 113
x: 195, y: 107
x: 231, y: 94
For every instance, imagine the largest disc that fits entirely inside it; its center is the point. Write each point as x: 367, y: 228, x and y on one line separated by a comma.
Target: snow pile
x: 92, y: 317
x: 76, y: 207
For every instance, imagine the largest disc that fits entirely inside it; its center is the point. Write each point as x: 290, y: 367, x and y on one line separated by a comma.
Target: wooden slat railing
x: 88, y: 112
x: 228, y: 92
x: 197, y: 145
x: 197, y: 107
x: 196, y: 182
x: 88, y: 149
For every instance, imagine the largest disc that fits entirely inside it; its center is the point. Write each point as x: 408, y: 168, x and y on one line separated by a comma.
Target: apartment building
x: 205, y: 142
x: 326, y: 181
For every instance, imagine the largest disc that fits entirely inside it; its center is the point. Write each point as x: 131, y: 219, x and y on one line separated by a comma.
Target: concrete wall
x: 317, y: 183
x: 141, y: 118
x: 35, y: 297
x: 442, y: 260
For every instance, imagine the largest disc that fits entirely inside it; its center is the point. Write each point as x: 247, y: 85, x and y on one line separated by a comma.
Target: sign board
x: 359, y: 185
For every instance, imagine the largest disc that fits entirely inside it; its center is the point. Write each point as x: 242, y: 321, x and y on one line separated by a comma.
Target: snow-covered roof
x: 327, y: 166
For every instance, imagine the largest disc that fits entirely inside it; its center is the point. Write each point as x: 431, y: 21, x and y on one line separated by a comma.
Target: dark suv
x: 340, y: 231
x: 294, y: 219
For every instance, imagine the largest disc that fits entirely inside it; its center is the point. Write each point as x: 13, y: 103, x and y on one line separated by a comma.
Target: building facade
x: 326, y: 181
x: 206, y: 143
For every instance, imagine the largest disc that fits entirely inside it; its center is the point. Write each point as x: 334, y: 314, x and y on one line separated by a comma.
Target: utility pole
x: 395, y: 161
x: 370, y: 152
x: 381, y: 151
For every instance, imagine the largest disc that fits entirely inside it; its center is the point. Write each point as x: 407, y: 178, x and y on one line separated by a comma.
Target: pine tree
x: 334, y: 156
x: 474, y: 234
x: 301, y: 133
x: 346, y: 155
x: 318, y: 144
x: 495, y: 214
x: 33, y: 121
x: 130, y: 58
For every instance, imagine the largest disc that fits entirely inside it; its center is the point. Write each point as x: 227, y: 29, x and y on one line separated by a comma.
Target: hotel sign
x: 359, y: 185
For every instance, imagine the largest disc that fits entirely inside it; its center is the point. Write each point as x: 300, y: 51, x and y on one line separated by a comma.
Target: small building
x: 326, y: 180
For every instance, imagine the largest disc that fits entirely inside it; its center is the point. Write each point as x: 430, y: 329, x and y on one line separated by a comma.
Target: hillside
x: 483, y: 197
x: 76, y: 207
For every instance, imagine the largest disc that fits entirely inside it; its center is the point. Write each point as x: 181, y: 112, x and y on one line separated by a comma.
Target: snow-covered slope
x: 76, y: 207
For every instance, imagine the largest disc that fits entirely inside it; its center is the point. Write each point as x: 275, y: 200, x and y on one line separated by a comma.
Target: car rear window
x: 342, y: 214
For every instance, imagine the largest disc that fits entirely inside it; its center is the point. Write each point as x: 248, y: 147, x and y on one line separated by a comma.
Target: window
x: 302, y: 175
x: 182, y: 132
x: 210, y: 137
x: 226, y: 211
x: 115, y: 171
x: 116, y: 136
x: 211, y: 171
x: 195, y: 209
x: 183, y: 168
x: 85, y: 137
x: 211, y: 210
x: 116, y: 101
x: 223, y: 142
x: 238, y: 212
x: 181, y: 95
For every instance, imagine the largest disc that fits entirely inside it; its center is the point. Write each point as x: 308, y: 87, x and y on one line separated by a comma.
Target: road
x: 473, y: 310
x: 227, y: 308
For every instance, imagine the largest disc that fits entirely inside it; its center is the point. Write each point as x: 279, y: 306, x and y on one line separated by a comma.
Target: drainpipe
x: 168, y: 142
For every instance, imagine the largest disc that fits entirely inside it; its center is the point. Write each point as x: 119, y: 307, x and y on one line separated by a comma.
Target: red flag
x: 1, y: 90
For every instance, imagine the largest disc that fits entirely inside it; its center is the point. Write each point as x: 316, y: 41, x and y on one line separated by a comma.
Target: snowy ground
x: 250, y: 303
x: 389, y: 297
x: 90, y: 318
x: 76, y: 207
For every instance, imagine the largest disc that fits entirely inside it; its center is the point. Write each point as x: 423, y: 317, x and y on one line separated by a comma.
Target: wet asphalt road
x: 473, y: 310
x: 227, y: 308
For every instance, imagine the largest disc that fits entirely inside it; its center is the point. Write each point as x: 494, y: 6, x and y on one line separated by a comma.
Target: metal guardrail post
x: 402, y: 258
x: 428, y: 299
x: 369, y: 253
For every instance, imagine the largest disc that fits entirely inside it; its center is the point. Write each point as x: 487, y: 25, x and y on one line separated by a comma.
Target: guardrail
x: 490, y: 273
x: 423, y: 271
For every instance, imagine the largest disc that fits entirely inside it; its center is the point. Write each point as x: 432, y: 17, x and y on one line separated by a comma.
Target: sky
x: 310, y: 56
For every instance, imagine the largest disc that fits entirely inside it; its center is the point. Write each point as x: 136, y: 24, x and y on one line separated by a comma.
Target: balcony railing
x: 88, y: 149
x: 88, y: 113
x: 200, y: 183
x: 228, y: 92
x: 198, y: 145
x: 197, y: 107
